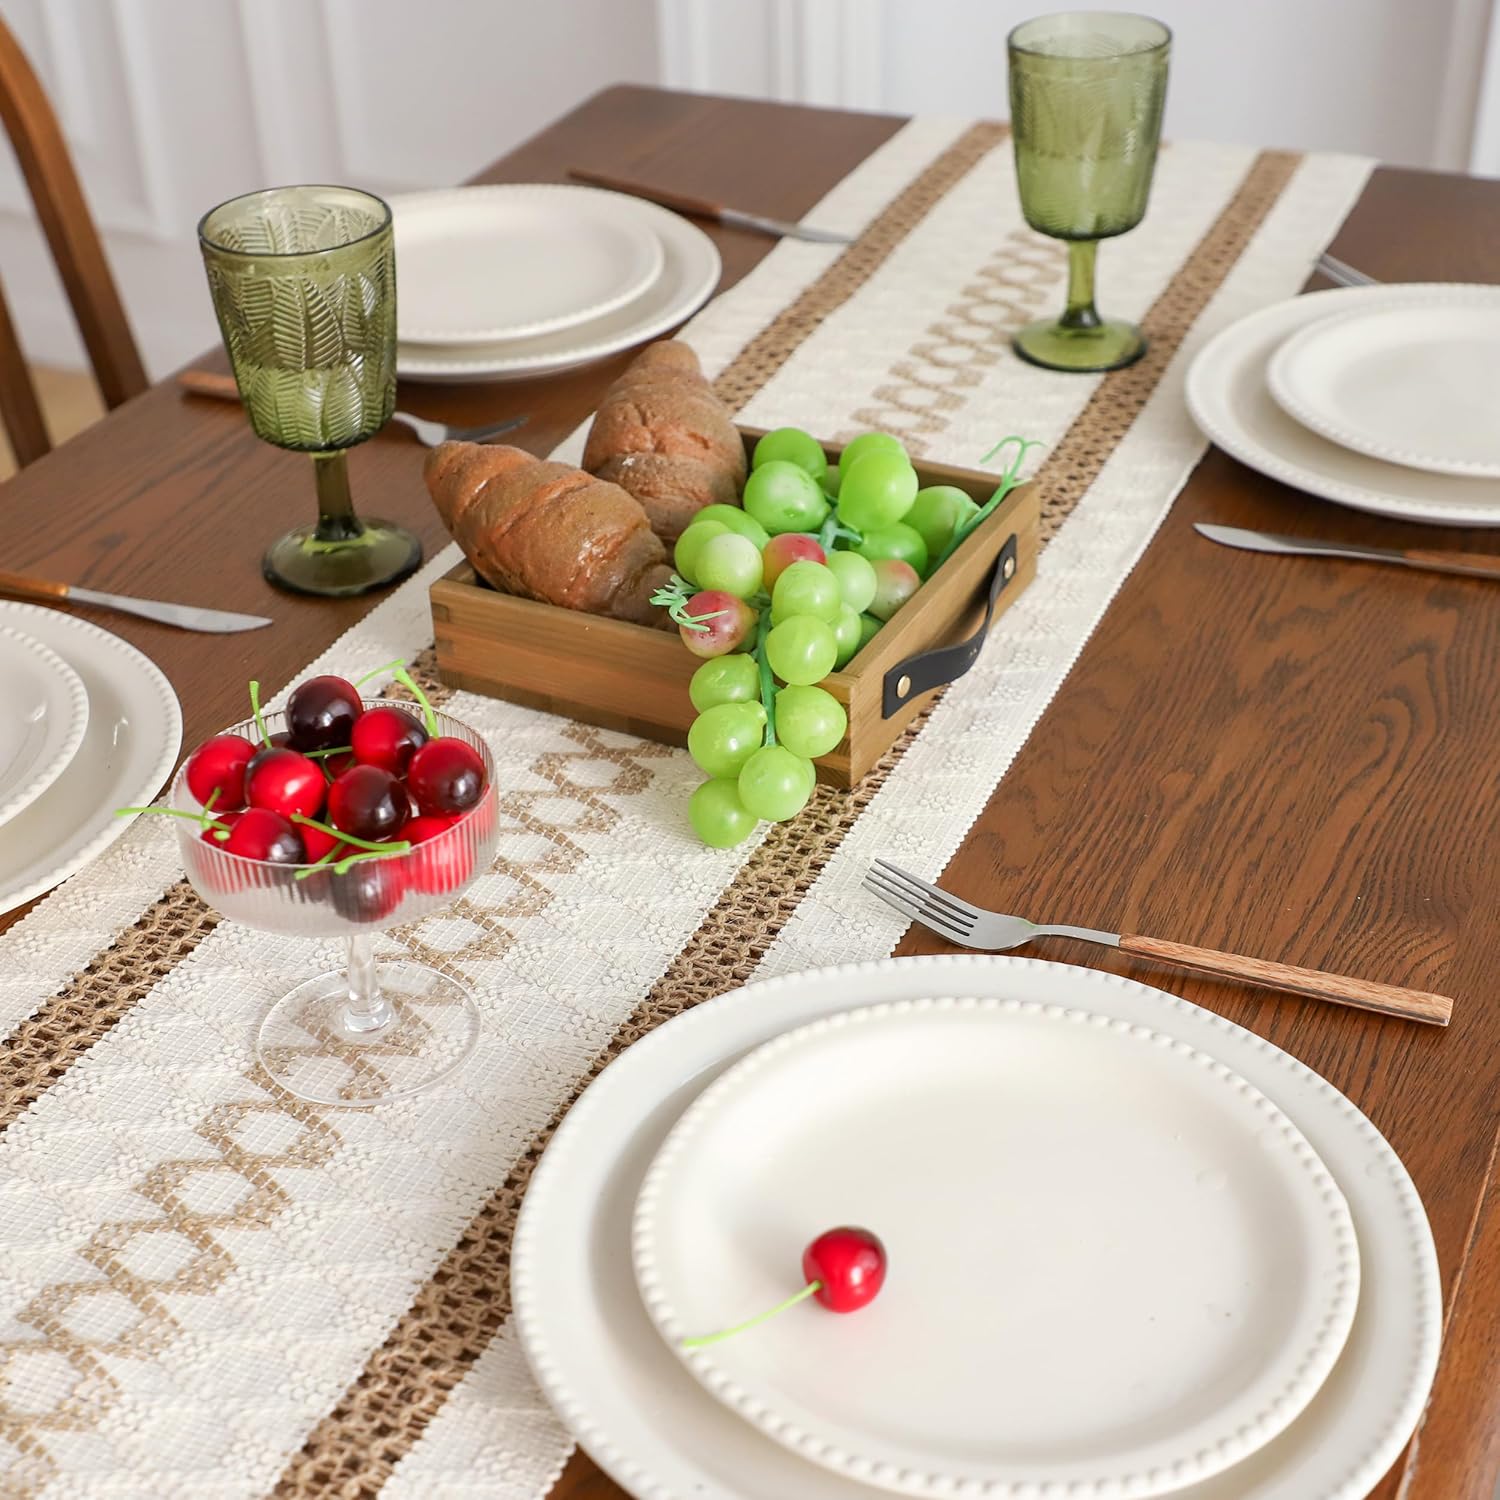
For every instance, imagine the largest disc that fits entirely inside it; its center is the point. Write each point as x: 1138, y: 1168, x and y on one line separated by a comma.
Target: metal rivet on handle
x: 903, y: 686
x: 1010, y: 567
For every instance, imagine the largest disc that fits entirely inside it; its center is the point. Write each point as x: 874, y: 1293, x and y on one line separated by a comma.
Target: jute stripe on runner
x: 460, y: 1308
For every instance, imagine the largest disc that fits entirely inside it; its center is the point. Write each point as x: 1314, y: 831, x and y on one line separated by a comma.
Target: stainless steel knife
x: 1467, y: 564
x: 184, y: 616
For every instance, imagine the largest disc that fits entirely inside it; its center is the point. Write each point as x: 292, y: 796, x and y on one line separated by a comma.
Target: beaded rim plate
x: 47, y: 714
x: 647, y: 1422
x: 1167, y: 1265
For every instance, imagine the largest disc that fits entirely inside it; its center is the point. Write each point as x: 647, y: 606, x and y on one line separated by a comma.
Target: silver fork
x: 972, y: 926
x: 1341, y: 273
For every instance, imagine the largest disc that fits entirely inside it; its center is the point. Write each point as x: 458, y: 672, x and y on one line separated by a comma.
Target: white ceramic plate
x: 690, y: 273
x: 1414, y: 384
x: 128, y: 751
x: 1230, y: 400
x: 44, y: 711
x: 478, y: 264
x: 644, y: 1419
x: 1115, y: 1267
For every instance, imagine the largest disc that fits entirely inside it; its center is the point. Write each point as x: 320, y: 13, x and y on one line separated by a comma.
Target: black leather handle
x: 933, y: 669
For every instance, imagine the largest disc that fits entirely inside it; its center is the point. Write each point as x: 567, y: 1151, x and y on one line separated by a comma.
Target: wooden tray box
x: 626, y: 677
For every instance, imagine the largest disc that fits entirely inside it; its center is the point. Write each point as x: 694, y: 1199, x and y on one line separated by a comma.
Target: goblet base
x: 424, y: 1028
x: 1108, y: 345
x: 379, y: 553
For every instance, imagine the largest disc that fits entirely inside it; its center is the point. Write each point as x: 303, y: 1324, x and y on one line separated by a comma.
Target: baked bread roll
x: 549, y: 531
x: 663, y: 434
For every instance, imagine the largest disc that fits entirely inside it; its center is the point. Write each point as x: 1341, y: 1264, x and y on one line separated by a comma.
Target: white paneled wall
x: 173, y: 105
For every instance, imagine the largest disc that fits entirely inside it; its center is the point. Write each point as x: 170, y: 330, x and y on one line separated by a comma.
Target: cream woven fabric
x: 209, y: 1290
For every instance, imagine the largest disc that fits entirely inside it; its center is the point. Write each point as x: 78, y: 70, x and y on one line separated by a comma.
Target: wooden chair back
x: 65, y: 219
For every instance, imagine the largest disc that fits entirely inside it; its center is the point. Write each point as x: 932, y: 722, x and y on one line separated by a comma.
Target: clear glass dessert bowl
x: 378, y: 1029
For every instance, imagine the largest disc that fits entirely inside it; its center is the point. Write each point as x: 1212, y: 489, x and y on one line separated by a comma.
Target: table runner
x: 209, y: 1288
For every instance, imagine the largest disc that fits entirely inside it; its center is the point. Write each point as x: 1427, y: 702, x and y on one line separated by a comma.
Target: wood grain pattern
x: 1292, y: 760
x: 1363, y: 994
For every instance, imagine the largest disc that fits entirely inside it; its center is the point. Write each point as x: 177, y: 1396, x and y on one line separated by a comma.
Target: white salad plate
x: 644, y: 1418
x: 1231, y: 401
x: 479, y: 264
x: 690, y: 272
x: 1115, y: 1267
x: 1413, y: 384
x: 126, y: 754
x: 44, y: 711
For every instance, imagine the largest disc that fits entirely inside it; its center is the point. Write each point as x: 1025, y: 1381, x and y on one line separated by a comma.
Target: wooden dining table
x: 1284, y: 757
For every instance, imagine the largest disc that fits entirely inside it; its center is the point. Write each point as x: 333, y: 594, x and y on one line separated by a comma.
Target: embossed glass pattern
x: 304, y: 284
x: 1087, y: 89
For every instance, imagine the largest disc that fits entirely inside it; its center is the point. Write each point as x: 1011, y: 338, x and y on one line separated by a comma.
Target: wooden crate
x: 630, y: 678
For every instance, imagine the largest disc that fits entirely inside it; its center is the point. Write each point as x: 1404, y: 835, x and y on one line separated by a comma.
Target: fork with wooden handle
x: 994, y: 932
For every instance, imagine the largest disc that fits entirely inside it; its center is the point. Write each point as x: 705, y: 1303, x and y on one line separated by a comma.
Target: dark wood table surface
x: 1289, y: 758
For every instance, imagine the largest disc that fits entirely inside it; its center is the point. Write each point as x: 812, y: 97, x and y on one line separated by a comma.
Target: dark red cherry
x: 336, y: 765
x: 850, y: 1265
x: 285, y: 782
x: 321, y: 712
x: 317, y: 842
x: 259, y: 833
x: 446, y: 776
x: 388, y: 738
x: 367, y: 802
x: 437, y: 868
x: 369, y: 890
x: 218, y: 765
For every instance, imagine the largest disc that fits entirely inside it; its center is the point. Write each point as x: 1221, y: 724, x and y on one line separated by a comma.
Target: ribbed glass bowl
x: 377, y: 1030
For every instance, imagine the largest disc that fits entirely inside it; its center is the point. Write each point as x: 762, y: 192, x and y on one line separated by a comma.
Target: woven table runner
x: 208, y: 1288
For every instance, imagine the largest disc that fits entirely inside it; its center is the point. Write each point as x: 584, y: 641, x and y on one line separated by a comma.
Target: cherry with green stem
x: 371, y: 849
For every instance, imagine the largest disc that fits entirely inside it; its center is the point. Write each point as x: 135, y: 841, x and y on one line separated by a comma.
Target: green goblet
x: 304, y: 284
x: 1086, y: 96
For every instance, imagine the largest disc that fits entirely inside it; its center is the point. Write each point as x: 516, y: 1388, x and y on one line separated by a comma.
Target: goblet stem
x: 367, y: 1009
x: 337, y: 521
x: 1081, y: 312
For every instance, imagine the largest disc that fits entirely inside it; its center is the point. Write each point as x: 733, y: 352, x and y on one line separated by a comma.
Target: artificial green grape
x: 725, y: 679
x: 856, y: 578
x: 868, y: 626
x: 902, y: 542
x: 729, y: 562
x: 783, y: 497
x: 718, y: 816
x: 801, y: 650
x: 877, y: 491
x: 725, y: 736
x: 935, y: 513
x: 735, y: 519
x: 805, y: 588
x: 869, y: 442
x: 774, y: 783
x: 795, y: 447
x: 846, y: 636
x: 809, y: 721
x: 690, y: 543
x: 831, y: 481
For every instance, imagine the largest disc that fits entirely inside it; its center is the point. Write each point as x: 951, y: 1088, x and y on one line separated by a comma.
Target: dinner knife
x: 184, y: 616
x: 1468, y: 564
x: 706, y: 208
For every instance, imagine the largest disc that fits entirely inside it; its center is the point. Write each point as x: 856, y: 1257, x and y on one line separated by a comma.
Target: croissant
x: 548, y: 531
x: 663, y: 434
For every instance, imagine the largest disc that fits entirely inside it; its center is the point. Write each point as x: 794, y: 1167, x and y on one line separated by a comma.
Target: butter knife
x: 706, y: 208
x: 184, y: 616
x: 1468, y: 564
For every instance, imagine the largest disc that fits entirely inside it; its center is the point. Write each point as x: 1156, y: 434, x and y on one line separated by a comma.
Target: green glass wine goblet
x: 1087, y: 90
x: 304, y: 284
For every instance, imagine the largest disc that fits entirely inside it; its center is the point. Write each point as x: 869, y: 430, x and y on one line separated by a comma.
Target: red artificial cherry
x: 369, y: 890
x: 317, y: 841
x: 225, y: 821
x: 849, y: 1264
x: 446, y: 776
x: 259, y: 833
x: 285, y: 782
x: 218, y: 765
x: 321, y: 712
x: 445, y: 866
x: 335, y: 765
x: 367, y: 802
x: 388, y: 738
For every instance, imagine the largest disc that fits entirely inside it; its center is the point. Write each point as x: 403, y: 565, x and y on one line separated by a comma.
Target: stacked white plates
x: 1134, y: 1250
x: 87, y: 725
x: 514, y: 281
x: 1381, y: 398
